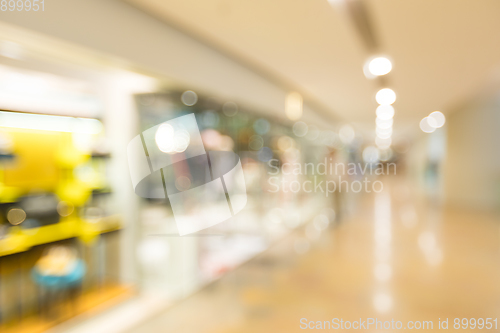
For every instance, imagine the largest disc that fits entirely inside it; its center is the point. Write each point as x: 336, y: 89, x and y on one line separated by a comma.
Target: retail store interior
x: 364, y: 179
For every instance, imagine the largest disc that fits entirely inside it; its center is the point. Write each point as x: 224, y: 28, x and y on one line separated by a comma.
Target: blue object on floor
x: 73, y: 278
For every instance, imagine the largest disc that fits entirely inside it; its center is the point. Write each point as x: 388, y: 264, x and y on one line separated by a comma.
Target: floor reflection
x: 397, y: 257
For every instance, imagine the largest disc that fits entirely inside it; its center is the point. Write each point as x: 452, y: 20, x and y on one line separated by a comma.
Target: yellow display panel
x: 34, y: 167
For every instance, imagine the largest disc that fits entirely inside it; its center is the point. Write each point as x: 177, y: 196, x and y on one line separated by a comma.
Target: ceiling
x: 443, y: 51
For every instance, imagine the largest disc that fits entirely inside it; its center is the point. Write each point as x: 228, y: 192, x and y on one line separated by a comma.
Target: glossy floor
x: 396, y: 257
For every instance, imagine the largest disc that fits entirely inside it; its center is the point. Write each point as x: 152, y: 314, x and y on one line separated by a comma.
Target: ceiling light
x: 427, y: 125
x: 438, y: 118
x: 293, y: 106
x: 385, y: 111
x: 381, y: 123
x: 379, y: 66
x: 384, y: 130
x: 384, y: 135
x: 385, y: 96
x: 383, y: 143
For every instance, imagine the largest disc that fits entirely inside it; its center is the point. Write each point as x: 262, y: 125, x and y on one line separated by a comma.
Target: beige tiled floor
x: 395, y: 258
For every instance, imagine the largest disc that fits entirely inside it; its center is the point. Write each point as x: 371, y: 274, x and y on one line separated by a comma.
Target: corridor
x: 397, y: 257
x: 223, y: 166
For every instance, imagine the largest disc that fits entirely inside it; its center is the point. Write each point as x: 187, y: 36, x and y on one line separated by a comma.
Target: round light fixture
x: 438, y: 118
x: 385, y: 96
x: 384, y: 123
x: 427, y: 125
x: 379, y: 66
x: 385, y: 112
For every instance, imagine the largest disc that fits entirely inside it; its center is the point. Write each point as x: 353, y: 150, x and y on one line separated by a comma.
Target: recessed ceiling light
x: 385, y: 96
x: 385, y: 112
x: 379, y: 66
x: 427, y: 125
x: 438, y: 118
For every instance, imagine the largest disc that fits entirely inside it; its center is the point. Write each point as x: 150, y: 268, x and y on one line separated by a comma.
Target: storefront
x: 66, y: 201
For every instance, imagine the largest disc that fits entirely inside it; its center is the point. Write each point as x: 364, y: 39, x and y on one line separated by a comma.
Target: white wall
x: 472, y: 168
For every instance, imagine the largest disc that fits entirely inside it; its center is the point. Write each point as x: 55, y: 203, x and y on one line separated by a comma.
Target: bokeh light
x: 428, y: 125
x: 300, y: 129
x: 385, y: 112
x: 293, y: 106
x: 164, y: 138
x: 384, y: 123
x: 383, y: 143
x: 347, y: 134
x: 261, y: 126
x: 16, y: 216
x: 371, y: 154
x: 438, y: 118
x: 385, y: 96
x: 230, y: 109
x: 189, y: 98
x: 379, y: 66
